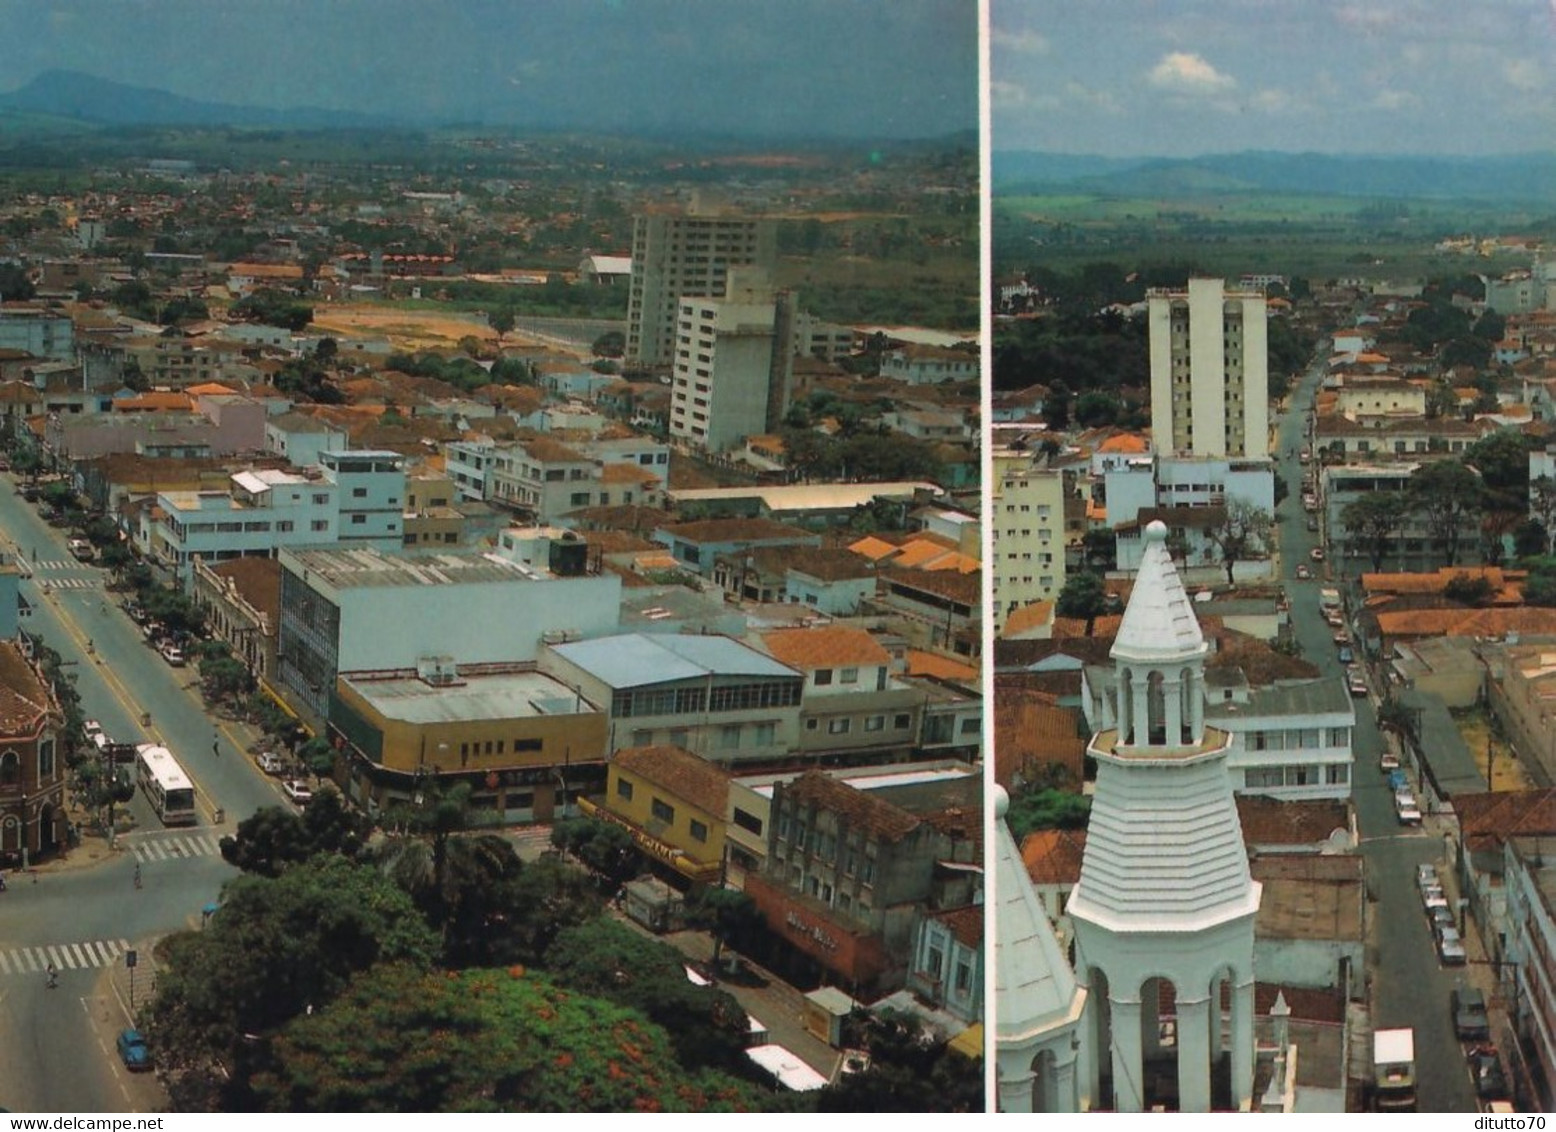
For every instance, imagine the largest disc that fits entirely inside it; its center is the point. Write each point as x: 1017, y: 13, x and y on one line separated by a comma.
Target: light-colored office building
x: 686, y: 254
x: 733, y: 365
x: 1210, y: 392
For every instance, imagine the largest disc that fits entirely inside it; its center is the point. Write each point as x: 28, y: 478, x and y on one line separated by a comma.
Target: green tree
x: 910, y: 1070
x: 273, y: 839
x: 1532, y: 537
x: 1084, y: 596
x: 606, y: 958
x: 1046, y: 808
x: 502, y: 320
x: 1441, y: 400
x: 223, y: 675
x: 1502, y: 458
x: 1371, y: 522
x: 603, y: 846
x: 403, y: 1040
x: 1242, y: 532
x: 1445, y: 492
x: 463, y: 883
x: 550, y: 895
x: 275, y: 948
x: 1468, y: 589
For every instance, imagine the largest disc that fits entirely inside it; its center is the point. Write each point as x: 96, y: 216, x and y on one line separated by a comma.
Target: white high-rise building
x: 734, y: 359
x: 1210, y: 388
x: 686, y: 254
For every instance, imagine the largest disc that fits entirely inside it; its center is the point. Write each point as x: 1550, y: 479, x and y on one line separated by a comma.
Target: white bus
x: 166, y: 785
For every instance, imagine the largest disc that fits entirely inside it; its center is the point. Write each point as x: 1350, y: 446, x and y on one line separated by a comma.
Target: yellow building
x: 673, y: 803
x: 526, y: 743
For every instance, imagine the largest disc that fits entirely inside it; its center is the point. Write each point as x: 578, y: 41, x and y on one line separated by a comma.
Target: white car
x: 270, y: 762
x: 173, y: 655
x: 297, y: 791
x: 91, y: 729
x: 1426, y: 877
x: 1450, y: 948
x: 1408, y: 812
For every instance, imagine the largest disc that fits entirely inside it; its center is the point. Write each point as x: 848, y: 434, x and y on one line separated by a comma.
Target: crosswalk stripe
x: 84, y: 955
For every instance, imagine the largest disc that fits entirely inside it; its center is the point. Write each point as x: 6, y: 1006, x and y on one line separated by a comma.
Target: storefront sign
x: 816, y: 932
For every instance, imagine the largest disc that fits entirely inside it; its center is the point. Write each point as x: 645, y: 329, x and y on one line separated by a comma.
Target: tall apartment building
x: 1209, y: 371
x: 686, y: 254
x: 1027, y: 514
x: 734, y: 364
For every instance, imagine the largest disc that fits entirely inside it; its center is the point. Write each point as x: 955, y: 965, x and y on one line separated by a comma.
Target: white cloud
x: 1524, y: 74
x: 1394, y: 100
x: 1007, y: 94
x: 1182, y: 72
x: 1097, y: 99
x: 1020, y: 42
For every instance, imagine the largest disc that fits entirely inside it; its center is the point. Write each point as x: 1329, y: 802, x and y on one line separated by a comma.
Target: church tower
x: 1038, y: 1048
x: 1164, y: 909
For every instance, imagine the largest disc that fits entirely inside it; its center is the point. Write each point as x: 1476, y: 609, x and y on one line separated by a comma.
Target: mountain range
x: 86, y: 98
x: 1516, y: 177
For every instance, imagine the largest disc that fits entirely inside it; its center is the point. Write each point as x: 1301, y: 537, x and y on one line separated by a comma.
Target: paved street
x: 1409, y: 986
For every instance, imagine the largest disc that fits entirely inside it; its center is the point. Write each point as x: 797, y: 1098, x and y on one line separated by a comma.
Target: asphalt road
x: 1409, y: 986
x: 57, y: 1053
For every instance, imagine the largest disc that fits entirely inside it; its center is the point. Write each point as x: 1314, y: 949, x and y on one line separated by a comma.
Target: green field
x: 1312, y: 235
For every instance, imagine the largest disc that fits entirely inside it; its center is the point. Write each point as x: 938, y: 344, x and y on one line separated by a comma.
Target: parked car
x: 1426, y: 877
x: 1450, y: 948
x: 270, y: 762
x: 1388, y: 762
x: 1406, y: 810
x: 1439, y: 918
x: 1346, y: 655
x: 1486, y: 1071
x: 1303, y: 573
x: 82, y: 549
x: 172, y: 654
x: 1316, y: 554
x: 1305, y: 455
x: 1435, y: 901
x: 133, y: 1051
x: 1312, y: 523
x: 1470, y: 1020
x: 1356, y: 685
x: 91, y: 729
x: 297, y: 791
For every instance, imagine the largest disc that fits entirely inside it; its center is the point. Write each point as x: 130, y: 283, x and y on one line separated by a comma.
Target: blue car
x: 133, y: 1051
x: 1346, y: 656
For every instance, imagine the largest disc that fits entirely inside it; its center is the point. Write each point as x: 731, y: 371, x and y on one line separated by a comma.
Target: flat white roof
x: 792, y: 1073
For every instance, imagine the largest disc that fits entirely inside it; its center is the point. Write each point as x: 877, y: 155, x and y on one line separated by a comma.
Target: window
x: 963, y: 976
x: 765, y: 733
x: 901, y: 722
x: 875, y: 723
x: 320, y: 525
x: 848, y: 676
x: 838, y: 726
x: 823, y: 677
x: 1337, y: 775
x: 662, y: 811
x: 1264, y: 776
x: 678, y: 736
x: 359, y: 493
x: 748, y: 822
x: 10, y: 769
x: 321, y: 498
x: 624, y: 789
x: 283, y: 525
x: 971, y: 725
x: 729, y: 736
x: 46, y: 758
x: 935, y: 963
x: 812, y: 725
x: 580, y: 498
x: 358, y: 519
x: 699, y: 831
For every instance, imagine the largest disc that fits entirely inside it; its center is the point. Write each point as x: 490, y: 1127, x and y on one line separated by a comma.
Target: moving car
x: 1450, y: 948
x: 82, y: 550
x: 133, y: 1051
x: 1316, y: 554
x: 1303, y: 573
x: 1312, y: 523
x: 1470, y: 1020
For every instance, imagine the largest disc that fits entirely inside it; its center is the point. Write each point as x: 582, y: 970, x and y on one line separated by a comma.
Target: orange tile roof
x: 921, y: 663
x: 681, y: 773
x: 1031, y: 732
x: 872, y: 547
x: 825, y: 646
x: 210, y: 389
x: 169, y: 402
x: 1053, y: 856
x: 864, y: 809
x: 1125, y: 442
x: 1034, y: 616
x: 24, y: 699
x: 1494, y: 622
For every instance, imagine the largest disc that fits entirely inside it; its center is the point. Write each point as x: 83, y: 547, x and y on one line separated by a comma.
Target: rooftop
x: 633, y: 660
x: 348, y: 569
x: 679, y: 771
x: 475, y: 696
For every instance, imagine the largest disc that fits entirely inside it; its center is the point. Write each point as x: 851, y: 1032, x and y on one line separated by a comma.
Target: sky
x: 1182, y: 78
x: 847, y: 68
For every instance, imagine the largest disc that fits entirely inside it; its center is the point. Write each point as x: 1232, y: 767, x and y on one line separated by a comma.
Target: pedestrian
x: 137, y: 874
x: 53, y: 977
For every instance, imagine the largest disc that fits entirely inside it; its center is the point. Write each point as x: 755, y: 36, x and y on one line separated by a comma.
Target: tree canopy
x: 401, y: 1039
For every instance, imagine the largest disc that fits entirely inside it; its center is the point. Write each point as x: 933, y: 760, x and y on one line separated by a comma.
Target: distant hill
x: 1518, y: 177
x: 85, y: 98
